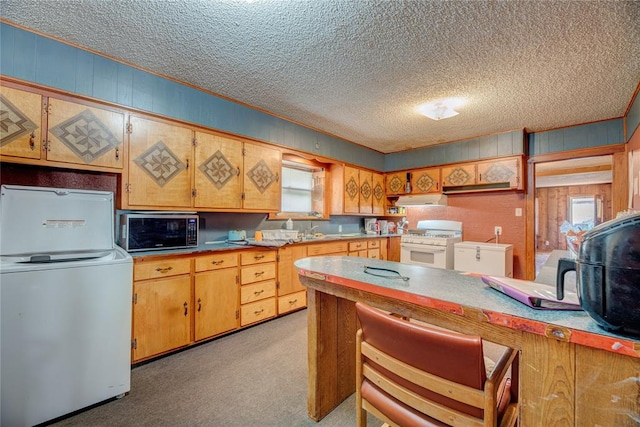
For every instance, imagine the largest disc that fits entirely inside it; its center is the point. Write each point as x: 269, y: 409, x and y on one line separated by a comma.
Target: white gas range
x: 431, y: 244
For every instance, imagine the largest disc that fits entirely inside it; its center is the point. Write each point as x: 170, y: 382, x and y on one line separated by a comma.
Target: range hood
x: 422, y: 200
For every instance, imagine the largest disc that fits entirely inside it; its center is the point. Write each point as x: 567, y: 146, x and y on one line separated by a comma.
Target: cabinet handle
x: 479, y: 177
x: 32, y: 141
x: 117, y: 153
x: 293, y: 301
x: 258, y: 257
x: 277, y: 177
x: 256, y: 293
x: 199, y: 304
x: 187, y: 167
x: 237, y: 170
x: 217, y: 262
x: 259, y: 273
x: 164, y: 269
x: 258, y: 311
x: 186, y: 308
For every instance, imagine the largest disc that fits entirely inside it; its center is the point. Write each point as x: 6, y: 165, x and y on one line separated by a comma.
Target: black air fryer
x: 608, y: 274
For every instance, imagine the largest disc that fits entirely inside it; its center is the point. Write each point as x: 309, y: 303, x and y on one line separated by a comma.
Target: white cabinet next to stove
x: 493, y: 259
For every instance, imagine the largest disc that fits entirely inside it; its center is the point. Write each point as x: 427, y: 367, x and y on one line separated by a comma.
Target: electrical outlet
x: 497, y: 230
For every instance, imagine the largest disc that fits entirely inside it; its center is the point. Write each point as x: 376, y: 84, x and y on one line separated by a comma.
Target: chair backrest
x: 444, y: 368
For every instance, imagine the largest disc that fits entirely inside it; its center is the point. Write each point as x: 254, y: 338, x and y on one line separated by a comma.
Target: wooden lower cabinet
x: 369, y: 248
x: 291, y: 294
x: 161, y: 320
x: 216, y: 303
x: 258, y: 286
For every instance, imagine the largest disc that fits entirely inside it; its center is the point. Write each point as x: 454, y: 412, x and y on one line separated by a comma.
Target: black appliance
x: 608, y: 274
x: 158, y: 230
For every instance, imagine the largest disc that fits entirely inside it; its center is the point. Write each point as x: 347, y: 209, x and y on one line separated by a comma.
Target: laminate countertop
x: 454, y: 292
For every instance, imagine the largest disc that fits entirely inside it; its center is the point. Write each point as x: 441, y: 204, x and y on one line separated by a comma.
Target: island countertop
x: 454, y: 292
x: 569, y: 370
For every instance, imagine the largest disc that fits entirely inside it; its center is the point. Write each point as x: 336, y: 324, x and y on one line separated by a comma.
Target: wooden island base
x: 558, y: 382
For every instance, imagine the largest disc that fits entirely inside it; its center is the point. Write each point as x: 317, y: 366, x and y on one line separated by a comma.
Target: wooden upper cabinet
x: 500, y: 171
x: 424, y: 181
x: 378, y: 199
x: 365, y: 199
x: 21, y: 130
x: 458, y: 175
x: 261, y: 177
x: 159, y: 164
x: 351, y: 190
x: 218, y: 172
x: 396, y: 183
x: 84, y: 134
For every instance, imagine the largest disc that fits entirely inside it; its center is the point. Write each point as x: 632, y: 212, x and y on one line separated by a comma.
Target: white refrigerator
x: 65, y: 304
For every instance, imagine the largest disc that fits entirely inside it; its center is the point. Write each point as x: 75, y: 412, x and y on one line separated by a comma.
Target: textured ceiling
x: 358, y: 68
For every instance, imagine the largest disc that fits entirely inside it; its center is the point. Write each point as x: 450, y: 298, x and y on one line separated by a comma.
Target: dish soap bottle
x: 289, y: 224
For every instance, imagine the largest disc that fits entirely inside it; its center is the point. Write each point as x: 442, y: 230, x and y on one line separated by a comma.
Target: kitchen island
x: 570, y: 371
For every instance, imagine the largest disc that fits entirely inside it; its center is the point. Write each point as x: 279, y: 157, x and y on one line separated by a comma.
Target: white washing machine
x: 493, y: 259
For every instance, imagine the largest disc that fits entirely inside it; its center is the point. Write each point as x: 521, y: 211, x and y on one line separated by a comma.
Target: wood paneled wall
x: 553, y: 210
x: 479, y: 214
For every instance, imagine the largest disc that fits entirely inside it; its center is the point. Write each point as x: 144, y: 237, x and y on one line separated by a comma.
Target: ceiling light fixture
x: 441, y: 108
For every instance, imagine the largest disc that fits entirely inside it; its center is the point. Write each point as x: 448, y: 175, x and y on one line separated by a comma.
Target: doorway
x: 573, y: 194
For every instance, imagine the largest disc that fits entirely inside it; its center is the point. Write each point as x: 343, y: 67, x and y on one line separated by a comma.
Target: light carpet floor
x: 255, y: 377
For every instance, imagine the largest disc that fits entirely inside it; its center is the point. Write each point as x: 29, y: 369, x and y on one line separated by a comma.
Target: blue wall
x: 34, y: 58
x: 633, y: 118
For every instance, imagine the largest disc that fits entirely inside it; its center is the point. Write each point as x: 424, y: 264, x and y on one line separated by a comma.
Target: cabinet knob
x: 117, y: 153
x: 32, y: 141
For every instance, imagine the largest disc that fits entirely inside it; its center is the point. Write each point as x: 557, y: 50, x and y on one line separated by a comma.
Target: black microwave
x: 155, y: 231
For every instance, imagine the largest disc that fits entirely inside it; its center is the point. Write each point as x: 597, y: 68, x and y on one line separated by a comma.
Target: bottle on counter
x: 289, y: 224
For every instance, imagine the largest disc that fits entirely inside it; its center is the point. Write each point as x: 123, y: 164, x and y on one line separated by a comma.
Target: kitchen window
x: 303, y: 189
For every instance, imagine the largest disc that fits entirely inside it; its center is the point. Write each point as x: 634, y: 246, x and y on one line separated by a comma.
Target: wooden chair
x: 412, y: 375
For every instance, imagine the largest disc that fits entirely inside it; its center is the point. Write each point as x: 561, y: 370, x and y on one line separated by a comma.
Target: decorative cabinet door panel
x: 425, y: 181
x: 159, y: 156
x: 161, y: 315
x: 366, y: 192
x: 378, y: 195
x: 495, y: 171
x: 395, y: 183
x: 216, y: 302
x: 262, y: 170
x: 351, y: 190
x: 464, y: 174
x: 218, y: 172
x: 21, y: 123
x: 82, y: 134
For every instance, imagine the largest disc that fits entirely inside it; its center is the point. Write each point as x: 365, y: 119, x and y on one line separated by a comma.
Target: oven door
x: 425, y: 255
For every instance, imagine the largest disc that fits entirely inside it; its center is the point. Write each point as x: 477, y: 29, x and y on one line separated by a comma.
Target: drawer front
x: 217, y: 261
x: 257, y: 291
x: 373, y: 253
x: 357, y: 246
x: 257, y: 311
x: 327, y: 248
x: 291, y: 302
x: 154, y: 269
x: 257, y: 257
x: 375, y: 243
x: 257, y: 273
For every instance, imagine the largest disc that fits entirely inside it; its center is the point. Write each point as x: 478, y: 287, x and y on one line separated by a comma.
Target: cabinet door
x: 366, y: 192
x: 218, y: 172
x: 425, y: 181
x: 21, y: 130
x: 161, y: 320
x: 159, y: 156
x: 378, y: 196
x: 395, y: 183
x: 288, y: 280
x: 351, y: 190
x: 216, y: 302
x: 83, y: 134
x: 262, y: 170
x: 497, y: 171
x: 464, y: 174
